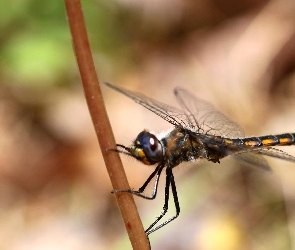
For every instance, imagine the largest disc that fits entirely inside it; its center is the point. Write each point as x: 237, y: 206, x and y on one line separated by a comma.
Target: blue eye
x: 151, y: 147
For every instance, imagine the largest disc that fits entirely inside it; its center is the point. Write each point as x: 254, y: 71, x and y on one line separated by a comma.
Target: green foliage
x: 35, y: 40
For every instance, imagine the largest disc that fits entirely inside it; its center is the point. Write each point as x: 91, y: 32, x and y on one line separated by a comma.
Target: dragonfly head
x: 147, y: 148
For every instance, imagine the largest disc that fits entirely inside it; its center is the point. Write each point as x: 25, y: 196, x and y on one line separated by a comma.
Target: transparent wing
x: 197, y: 114
x: 204, y: 118
x: 276, y: 153
x: 253, y: 156
x: 253, y: 159
x: 175, y: 116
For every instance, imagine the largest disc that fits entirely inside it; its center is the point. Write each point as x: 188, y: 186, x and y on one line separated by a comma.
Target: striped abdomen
x: 263, y: 141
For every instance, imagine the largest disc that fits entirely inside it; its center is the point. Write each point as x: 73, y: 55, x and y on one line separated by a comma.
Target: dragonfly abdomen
x: 266, y: 140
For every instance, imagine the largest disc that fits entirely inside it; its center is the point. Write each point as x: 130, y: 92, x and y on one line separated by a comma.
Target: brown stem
x: 102, y: 126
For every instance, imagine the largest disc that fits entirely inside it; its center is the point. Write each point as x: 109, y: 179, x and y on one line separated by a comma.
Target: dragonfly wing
x: 276, y: 153
x: 171, y: 114
x: 205, y: 118
x: 253, y: 159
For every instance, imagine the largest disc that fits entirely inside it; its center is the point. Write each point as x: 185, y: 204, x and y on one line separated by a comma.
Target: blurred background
x: 54, y: 189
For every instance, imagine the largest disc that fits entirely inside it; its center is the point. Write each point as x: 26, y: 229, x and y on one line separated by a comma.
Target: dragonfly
x: 199, y: 132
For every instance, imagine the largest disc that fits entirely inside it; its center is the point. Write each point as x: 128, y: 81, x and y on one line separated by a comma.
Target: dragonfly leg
x: 169, y: 181
x: 157, y: 173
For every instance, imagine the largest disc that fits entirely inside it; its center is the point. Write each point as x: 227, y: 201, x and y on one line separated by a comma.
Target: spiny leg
x: 177, y: 207
x: 157, y: 173
x: 165, y: 207
x: 169, y: 180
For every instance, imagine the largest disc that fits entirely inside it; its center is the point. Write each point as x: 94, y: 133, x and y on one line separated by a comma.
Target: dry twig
x: 101, y: 123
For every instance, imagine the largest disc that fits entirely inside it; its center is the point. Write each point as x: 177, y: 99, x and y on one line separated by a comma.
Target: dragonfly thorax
x: 181, y: 146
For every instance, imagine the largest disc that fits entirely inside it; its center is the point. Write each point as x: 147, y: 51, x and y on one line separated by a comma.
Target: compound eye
x: 152, y: 147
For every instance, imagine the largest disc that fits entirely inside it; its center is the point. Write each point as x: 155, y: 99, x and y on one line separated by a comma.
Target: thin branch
x: 102, y: 126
